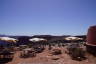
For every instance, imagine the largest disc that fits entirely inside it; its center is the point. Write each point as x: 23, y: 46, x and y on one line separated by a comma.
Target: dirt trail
x: 46, y: 58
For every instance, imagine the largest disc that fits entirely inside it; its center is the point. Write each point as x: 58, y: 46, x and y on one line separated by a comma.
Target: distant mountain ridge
x: 2, y: 35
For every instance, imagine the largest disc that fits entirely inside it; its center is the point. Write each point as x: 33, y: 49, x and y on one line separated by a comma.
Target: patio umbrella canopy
x: 8, y: 39
x: 73, y: 38
x: 37, y: 39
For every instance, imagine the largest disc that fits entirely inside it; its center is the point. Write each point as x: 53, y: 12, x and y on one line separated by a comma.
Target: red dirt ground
x: 46, y: 58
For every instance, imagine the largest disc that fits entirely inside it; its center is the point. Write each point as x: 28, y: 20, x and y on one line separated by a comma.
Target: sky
x: 42, y: 17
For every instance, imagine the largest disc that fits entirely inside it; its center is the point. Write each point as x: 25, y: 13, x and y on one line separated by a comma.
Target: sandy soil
x: 46, y: 58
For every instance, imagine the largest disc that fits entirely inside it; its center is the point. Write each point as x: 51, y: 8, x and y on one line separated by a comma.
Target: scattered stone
x: 55, y: 58
x: 56, y: 52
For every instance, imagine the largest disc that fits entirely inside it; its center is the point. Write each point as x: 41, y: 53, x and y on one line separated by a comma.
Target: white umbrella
x: 73, y: 38
x: 37, y: 39
x: 8, y: 39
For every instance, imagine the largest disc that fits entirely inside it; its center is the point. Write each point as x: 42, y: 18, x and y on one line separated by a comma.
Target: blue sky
x: 55, y: 17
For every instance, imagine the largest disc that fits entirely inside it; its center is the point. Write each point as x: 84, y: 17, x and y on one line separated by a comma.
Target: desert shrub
x: 76, y: 52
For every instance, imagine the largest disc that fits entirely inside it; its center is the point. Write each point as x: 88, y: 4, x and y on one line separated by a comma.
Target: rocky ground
x: 46, y: 58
